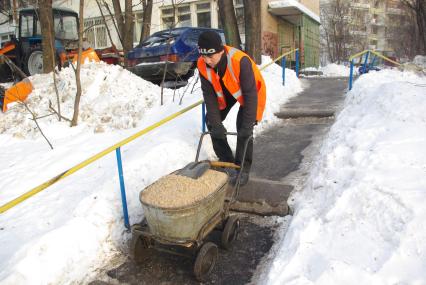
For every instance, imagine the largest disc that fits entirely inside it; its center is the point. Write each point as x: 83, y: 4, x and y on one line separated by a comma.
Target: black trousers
x: 222, y: 148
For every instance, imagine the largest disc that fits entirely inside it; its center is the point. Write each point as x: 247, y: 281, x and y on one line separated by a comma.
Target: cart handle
x: 237, y: 184
x: 224, y: 164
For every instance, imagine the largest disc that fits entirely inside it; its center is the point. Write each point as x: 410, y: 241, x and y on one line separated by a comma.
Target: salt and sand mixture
x: 174, y: 191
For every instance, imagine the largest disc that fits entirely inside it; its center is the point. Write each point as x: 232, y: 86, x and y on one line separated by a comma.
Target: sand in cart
x: 174, y: 191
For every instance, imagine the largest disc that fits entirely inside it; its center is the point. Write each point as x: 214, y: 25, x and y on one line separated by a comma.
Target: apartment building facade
x: 374, y: 23
x: 286, y: 24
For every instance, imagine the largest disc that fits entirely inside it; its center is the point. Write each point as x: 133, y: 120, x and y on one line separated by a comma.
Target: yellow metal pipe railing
x: 375, y: 53
x: 278, y: 58
x: 88, y: 161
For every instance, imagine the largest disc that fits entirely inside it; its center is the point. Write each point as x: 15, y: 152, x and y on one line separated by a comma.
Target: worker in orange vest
x: 228, y: 75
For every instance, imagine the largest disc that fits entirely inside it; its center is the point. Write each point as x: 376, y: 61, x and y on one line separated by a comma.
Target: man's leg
x: 221, y: 147
x: 239, y: 153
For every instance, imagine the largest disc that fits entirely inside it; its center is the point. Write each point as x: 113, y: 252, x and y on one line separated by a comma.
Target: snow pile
x: 277, y: 94
x: 335, y: 70
x: 112, y: 98
x: 361, y: 217
x: 63, y: 234
x: 330, y: 70
x: 310, y: 69
x: 420, y: 60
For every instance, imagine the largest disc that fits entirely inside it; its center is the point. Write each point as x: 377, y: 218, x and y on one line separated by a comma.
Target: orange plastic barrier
x: 87, y: 54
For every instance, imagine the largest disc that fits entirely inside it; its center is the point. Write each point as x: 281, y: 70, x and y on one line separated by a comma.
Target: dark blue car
x: 176, y: 48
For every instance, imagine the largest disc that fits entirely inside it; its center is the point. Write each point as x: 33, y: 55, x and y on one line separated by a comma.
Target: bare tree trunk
x: 125, y: 25
x: 15, y: 12
x: 128, y: 30
x: 77, y: 73
x: 229, y: 22
x: 146, y: 19
x: 421, y: 24
x: 252, y: 24
x: 119, y: 17
x: 330, y: 53
x: 113, y: 21
x: 173, y: 24
x: 418, y: 7
x: 45, y: 16
x: 46, y: 23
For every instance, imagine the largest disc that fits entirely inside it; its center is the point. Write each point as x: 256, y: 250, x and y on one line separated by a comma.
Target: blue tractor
x: 25, y: 50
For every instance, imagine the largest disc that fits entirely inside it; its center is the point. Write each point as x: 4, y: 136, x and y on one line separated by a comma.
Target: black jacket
x: 248, y: 90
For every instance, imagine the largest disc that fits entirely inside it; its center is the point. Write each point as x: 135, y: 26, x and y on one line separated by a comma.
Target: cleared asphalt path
x: 282, y: 158
x: 283, y: 154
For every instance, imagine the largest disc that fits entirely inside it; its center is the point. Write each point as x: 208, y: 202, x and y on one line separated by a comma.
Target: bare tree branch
x: 57, y: 113
x: 34, y: 118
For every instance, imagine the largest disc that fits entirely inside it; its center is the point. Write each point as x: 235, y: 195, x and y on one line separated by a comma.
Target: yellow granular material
x: 173, y: 191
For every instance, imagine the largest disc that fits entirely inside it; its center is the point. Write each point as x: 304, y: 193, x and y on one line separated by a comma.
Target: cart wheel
x: 205, y: 261
x: 230, y: 232
x: 139, y: 248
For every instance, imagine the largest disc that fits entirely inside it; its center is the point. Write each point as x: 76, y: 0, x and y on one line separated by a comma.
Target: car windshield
x: 161, y: 38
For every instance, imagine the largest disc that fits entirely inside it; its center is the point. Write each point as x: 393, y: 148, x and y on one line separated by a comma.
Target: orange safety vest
x: 231, y: 80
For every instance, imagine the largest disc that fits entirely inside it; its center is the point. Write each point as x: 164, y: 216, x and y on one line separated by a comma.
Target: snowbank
x: 63, y: 234
x: 361, y: 217
x: 420, y: 60
x: 331, y: 70
x: 335, y: 70
x: 111, y: 99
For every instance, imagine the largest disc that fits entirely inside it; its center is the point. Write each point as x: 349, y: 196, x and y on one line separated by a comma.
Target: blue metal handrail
x: 367, y: 54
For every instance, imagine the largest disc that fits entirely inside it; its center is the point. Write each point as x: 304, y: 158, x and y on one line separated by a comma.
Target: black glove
x: 218, y: 132
x: 244, y: 133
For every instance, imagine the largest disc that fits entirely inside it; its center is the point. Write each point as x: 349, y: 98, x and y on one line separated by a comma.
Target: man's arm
x: 213, y: 112
x: 249, y: 93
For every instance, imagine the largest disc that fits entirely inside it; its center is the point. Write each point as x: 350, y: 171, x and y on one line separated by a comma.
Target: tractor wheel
x: 34, y: 62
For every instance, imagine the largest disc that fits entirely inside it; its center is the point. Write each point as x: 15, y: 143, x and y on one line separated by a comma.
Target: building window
x: 167, y: 17
x: 96, y: 33
x: 203, y: 15
x: 183, y: 17
x: 137, y: 28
